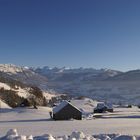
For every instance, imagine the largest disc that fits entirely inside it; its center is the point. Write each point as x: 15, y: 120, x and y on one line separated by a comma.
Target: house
x: 65, y: 111
x: 109, y: 107
x: 102, y: 107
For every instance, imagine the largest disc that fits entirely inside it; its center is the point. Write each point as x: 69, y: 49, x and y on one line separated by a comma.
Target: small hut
x: 109, y: 107
x: 65, y: 111
x: 102, y: 107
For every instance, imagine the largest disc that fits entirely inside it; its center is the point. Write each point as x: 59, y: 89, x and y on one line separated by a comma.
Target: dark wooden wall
x: 67, y: 113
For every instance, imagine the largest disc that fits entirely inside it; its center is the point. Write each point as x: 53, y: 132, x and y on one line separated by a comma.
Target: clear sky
x: 71, y: 33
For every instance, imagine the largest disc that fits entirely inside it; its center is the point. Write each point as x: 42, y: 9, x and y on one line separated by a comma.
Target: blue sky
x: 71, y: 33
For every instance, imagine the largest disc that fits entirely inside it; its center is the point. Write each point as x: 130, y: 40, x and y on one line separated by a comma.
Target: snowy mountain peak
x: 47, y: 71
x: 10, y: 68
x: 24, y: 74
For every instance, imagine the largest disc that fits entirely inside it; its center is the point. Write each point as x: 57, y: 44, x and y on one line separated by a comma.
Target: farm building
x: 102, y: 107
x: 109, y: 107
x: 65, y: 111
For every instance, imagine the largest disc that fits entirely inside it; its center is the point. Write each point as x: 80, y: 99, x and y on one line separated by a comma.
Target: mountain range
x: 103, y: 84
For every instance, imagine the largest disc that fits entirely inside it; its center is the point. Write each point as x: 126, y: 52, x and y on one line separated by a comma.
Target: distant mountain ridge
x: 103, y: 84
x: 133, y: 75
x: 55, y: 72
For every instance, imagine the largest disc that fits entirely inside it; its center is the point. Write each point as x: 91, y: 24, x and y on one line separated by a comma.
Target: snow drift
x: 12, y: 134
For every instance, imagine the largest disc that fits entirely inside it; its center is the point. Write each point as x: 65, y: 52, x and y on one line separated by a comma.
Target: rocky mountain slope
x: 15, y: 89
x: 23, y: 74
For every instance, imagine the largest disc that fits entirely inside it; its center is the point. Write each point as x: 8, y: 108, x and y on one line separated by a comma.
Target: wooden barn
x: 65, y: 111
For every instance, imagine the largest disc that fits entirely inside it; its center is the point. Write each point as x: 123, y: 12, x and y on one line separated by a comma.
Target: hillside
x: 13, y: 93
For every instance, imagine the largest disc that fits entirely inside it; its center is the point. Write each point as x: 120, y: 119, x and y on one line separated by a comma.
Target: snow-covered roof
x: 102, y: 105
x: 62, y: 105
x: 109, y: 105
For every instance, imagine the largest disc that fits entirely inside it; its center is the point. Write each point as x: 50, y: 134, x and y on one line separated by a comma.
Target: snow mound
x: 125, y: 137
x: 77, y: 135
x: 45, y: 137
x: 12, y: 134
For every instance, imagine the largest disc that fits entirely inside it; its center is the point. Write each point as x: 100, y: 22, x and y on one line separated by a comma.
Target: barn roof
x: 62, y: 105
x: 102, y: 105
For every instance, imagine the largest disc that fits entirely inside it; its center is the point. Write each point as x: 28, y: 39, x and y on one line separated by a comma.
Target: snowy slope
x: 23, y: 74
x: 10, y: 68
x: 5, y: 86
x: 37, y: 122
x: 14, y: 95
x: 49, y: 94
x: 4, y: 105
x: 22, y: 92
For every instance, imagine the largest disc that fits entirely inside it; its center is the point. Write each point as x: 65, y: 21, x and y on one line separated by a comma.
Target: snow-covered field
x: 37, y: 122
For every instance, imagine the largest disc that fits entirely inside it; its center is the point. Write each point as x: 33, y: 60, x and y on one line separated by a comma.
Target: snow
x: 48, y: 94
x: 38, y: 122
x: 86, y: 105
x: 60, y: 106
x: 10, y: 68
x: 5, y: 86
x: 100, y: 105
x: 109, y: 105
x: 24, y: 75
x: 122, y: 124
x: 22, y: 92
x: 3, y: 105
x: 12, y: 134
